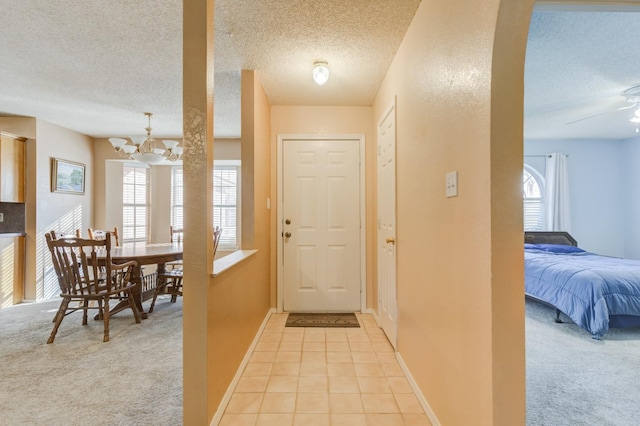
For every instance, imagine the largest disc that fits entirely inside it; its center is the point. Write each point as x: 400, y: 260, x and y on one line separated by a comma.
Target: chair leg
x: 85, y: 311
x: 106, y: 320
x: 59, y: 317
x: 176, y: 289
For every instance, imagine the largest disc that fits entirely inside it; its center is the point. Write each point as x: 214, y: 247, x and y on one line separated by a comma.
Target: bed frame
x: 549, y: 237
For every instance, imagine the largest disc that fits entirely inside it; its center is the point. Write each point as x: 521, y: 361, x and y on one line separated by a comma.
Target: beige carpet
x: 134, y: 379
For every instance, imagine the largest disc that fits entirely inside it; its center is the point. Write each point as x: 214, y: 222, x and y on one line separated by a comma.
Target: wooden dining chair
x: 170, y: 281
x: 99, y: 234
x: 81, y: 280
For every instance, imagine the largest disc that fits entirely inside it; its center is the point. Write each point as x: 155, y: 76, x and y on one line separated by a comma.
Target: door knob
x: 391, y: 240
x: 287, y: 234
x: 288, y: 221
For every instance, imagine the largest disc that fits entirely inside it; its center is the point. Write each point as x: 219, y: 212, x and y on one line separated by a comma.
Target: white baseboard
x: 374, y: 314
x: 425, y: 405
x: 232, y: 386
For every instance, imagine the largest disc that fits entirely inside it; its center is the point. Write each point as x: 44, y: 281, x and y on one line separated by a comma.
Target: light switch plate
x: 1, y: 217
x: 451, y: 184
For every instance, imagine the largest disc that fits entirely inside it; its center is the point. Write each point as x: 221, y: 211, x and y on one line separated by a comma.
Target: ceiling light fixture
x: 144, y: 148
x: 320, y: 72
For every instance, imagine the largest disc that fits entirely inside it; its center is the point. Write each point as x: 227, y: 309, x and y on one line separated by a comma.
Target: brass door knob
x: 287, y: 234
x: 391, y: 240
x: 288, y: 221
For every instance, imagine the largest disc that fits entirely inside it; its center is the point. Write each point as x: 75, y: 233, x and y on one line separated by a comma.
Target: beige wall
x: 459, y: 260
x: 47, y: 210
x: 329, y: 120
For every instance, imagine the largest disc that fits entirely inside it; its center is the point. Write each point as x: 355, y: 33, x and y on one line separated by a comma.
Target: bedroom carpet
x: 573, y: 379
x: 322, y: 320
x: 134, y: 379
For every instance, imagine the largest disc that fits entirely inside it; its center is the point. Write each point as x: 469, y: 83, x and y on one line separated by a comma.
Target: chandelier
x: 145, y: 149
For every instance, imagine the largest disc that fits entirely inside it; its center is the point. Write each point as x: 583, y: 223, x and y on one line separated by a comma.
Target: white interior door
x: 321, y: 225
x: 387, y: 300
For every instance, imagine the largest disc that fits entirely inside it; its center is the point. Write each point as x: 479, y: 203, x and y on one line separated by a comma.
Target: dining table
x: 144, y: 254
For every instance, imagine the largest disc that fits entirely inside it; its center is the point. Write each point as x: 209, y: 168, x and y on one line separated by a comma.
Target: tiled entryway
x: 323, y: 376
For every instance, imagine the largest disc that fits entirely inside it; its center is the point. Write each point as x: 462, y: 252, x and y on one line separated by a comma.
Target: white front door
x: 387, y: 300
x: 321, y: 225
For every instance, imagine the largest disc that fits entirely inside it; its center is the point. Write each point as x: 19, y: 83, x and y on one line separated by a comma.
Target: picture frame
x: 67, y: 176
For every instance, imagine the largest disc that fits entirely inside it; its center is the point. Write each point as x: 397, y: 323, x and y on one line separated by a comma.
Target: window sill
x: 227, y: 262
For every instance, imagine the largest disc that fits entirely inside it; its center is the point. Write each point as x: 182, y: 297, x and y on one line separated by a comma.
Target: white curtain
x: 556, y: 194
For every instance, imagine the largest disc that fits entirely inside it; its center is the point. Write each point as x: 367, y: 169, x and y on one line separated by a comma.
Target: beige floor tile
x: 338, y: 347
x: 382, y: 347
x: 283, y: 356
x: 364, y: 357
x: 315, y: 402
x: 252, y: 384
x: 378, y: 337
x: 270, y: 337
x: 301, y: 419
x: 286, y: 346
x: 314, y: 357
x: 313, y: 369
x: 408, y: 403
x: 243, y: 403
x: 379, y: 403
x: 314, y: 331
x: 293, y: 335
x: 313, y: 346
x: 285, y: 369
x: 384, y: 419
x: 344, y: 384
x: 280, y: 419
x: 257, y: 369
x: 399, y: 385
x: 339, y: 357
x: 278, y: 402
x: 369, y: 370
x: 313, y: 384
x: 392, y: 370
x: 416, y: 420
x: 374, y: 385
x: 361, y: 347
x: 283, y: 384
x: 345, y: 403
x: 263, y: 357
x: 348, y: 420
x: 238, y: 420
x: 341, y: 369
x: 267, y: 346
x: 387, y: 357
x: 336, y: 335
x: 356, y: 335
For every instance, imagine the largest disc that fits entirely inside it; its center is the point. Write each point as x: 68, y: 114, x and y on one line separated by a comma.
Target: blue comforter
x: 585, y: 286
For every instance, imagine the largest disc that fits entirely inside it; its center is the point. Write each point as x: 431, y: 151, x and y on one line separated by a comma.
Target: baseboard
x: 232, y: 386
x: 374, y: 314
x: 425, y: 405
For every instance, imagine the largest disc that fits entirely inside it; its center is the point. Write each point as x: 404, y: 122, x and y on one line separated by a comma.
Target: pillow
x: 531, y: 246
x: 559, y: 248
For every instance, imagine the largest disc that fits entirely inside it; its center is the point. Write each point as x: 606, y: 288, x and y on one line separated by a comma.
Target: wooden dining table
x: 144, y: 254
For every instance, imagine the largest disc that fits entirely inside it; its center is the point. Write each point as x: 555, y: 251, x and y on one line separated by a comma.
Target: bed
x: 597, y: 292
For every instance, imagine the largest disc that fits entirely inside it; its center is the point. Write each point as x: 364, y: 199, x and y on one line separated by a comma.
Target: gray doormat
x: 322, y: 320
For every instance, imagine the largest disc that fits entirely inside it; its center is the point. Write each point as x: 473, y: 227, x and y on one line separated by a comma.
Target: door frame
x: 279, y: 219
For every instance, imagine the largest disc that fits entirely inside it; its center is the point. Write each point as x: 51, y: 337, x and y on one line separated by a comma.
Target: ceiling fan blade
x: 602, y: 113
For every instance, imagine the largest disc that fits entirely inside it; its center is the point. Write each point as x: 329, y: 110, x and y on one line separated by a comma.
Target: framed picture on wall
x: 67, y: 176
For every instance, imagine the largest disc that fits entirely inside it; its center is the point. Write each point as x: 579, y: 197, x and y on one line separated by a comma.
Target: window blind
x: 225, y: 204
x: 135, y: 204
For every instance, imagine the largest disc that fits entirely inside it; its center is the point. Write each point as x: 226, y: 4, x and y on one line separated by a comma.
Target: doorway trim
x: 279, y: 220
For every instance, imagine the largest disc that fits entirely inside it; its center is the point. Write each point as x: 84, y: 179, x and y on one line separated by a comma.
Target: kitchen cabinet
x: 12, y: 168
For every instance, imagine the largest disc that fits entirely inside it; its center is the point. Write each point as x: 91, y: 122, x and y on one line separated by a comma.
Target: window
x: 533, y: 192
x: 135, y: 204
x: 226, y: 193
x: 226, y: 201
x: 177, y: 197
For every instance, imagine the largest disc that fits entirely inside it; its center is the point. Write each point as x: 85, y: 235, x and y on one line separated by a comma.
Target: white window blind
x: 226, y: 192
x: 226, y: 206
x: 135, y: 204
x: 177, y: 197
x: 533, y: 187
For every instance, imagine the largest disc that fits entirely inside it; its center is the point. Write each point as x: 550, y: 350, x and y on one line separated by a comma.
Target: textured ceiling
x: 95, y: 67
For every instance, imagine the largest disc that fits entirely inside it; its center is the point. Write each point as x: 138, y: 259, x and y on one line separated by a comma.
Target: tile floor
x: 323, y: 376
